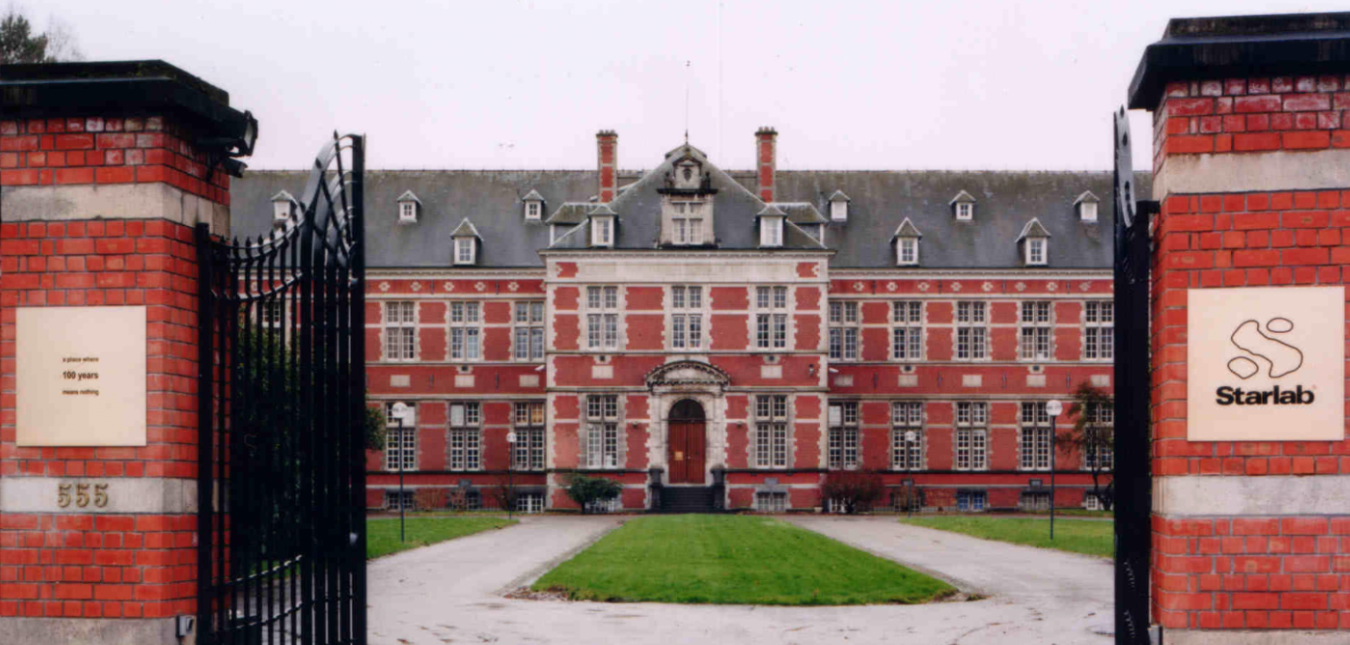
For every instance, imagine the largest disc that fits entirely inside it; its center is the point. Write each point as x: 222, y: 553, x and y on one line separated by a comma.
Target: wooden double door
x: 687, y: 443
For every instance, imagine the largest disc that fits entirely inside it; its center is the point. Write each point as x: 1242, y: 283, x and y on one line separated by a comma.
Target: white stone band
x: 112, y: 201
x: 146, y: 495
x: 1236, y: 495
x: 1244, y: 172
x: 1253, y: 637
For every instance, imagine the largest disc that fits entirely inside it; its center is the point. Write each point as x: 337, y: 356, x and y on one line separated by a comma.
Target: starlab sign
x: 1265, y: 364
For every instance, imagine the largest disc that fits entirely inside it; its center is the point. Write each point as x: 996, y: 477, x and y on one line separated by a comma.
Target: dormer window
x: 1087, y: 207
x: 1035, y: 241
x: 906, y: 244
x: 839, y: 206
x: 283, y: 208
x: 534, y: 205
x: 602, y: 226
x: 464, y: 250
x: 466, y: 240
x: 963, y: 207
x: 408, y: 208
x: 771, y: 226
x: 1036, y: 248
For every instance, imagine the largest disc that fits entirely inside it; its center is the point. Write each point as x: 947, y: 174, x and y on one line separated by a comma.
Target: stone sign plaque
x: 81, y: 376
x: 1265, y: 364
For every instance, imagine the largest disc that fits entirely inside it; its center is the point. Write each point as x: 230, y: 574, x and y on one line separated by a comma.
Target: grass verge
x: 382, y: 534
x: 1090, y: 537
x: 724, y: 559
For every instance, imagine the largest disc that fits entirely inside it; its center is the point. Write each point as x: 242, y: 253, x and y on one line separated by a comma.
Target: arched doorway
x: 687, y: 442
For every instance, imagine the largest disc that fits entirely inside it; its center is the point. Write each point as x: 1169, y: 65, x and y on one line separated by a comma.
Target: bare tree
x: 19, y: 43
x: 1093, y: 436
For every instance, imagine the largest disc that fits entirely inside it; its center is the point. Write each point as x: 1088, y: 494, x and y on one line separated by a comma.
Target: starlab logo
x: 1278, y: 357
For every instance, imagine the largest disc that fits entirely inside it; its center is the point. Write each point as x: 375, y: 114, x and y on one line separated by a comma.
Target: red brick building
x: 730, y: 336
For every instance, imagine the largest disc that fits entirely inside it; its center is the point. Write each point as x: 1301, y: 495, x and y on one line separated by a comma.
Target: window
x: 970, y: 331
x: 771, y: 450
x: 533, y: 210
x: 400, y: 446
x: 843, y: 435
x: 965, y: 210
x: 1035, y: 501
x: 530, y: 503
x: 1098, y: 451
x: 972, y: 420
x: 770, y: 324
x: 686, y: 321
x: 464, y: 436
x: 844, y: 331
x: 1089, y: 211
x: 602, y: 318
x: 464, y: 331
x: 839, y: 210
x: 407, y: 211
x: 529, y: 429
x: 907, y: 330
x: 907, y: 435
x: 393, y: 501
x: 400, y: 331
x: 281, y: 209
x: 771, y: 231
x: 529, y: 331
x: 464, y: 250
x: 1099, y: 340
x: 602, y: 431
x: 1091, y: 502
x: 970, y: 500
x: 688, y: 223
x: 272, y: 314
x: 602, y: 231
x: 1036, y: 330
x: 1036, y: 247
x: 1036, y: 437
x: 907, y: 253
x: 771, y: 501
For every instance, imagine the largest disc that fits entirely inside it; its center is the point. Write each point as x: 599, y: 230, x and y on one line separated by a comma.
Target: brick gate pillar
x: 1251, y: 507
x: 105, y: 168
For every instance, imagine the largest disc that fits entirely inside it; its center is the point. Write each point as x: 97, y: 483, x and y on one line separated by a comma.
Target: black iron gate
x: 281, y: 480
x: 1132, y: 480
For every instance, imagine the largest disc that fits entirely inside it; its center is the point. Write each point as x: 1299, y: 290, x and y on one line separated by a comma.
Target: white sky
x: 526, y: 83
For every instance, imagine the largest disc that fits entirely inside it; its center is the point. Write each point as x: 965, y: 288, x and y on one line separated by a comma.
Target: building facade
x: 744, y: 335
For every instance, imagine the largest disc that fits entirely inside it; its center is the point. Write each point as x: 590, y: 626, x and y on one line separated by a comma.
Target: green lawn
x: 1092, y: 537
x: 726, y: 559
x: 382, y: 534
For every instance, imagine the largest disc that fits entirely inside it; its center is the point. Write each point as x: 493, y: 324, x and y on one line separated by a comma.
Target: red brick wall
x: 70, y: 565
x: 96, y: 150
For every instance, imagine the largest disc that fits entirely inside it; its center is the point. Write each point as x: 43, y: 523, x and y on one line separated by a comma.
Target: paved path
x: 451, y: 593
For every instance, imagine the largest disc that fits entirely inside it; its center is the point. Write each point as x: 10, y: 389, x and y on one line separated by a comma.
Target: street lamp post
x: 510, y: 496
x: 402, y: 412
x: 1053, y: 408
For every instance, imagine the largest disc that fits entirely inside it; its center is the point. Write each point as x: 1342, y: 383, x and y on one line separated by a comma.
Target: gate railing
x: 281, y: 472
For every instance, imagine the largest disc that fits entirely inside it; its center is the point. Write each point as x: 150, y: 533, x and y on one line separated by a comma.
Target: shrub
x: 428, y: 499
x: 851, y: 491
x: 587, y: 491
x: 457, y: 500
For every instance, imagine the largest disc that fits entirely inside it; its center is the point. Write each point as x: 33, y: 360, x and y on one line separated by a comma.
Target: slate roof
x: 879, y: 202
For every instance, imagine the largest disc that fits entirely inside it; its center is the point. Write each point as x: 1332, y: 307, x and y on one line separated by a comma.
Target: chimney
x: 607, y: 157
x: 766, y: 154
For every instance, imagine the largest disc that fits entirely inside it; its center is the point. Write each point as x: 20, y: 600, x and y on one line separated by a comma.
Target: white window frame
x: 1088, y: 211
x: 1038, y: 250
x: 1036, y: 331
x: 533, y: 209
x: 839, y: 210
x: 1099, y: 336
x: 688, y: 322
x: 399, y: 444
x: 530, y: 502
x: 528, y: 453
x: 975, y: 500
x: 965, y: 211
x: 528, y: 331
x: 771, y: 232
x: 907, y: 335
x: 772, y: 322
x: 1100, y: 418
x: 602, y: 432
x: 466, y: 252
x: 772, y: 449
x: 602, y: 231
x: 688, y: 221
x: 465, y: 443
x: 771, y: 501
x: 972, y: 331
x: 407, y: 211
x: 400, y: 330
x: 466, y: 331
x: 971, y: 436
x: 907, y: 251
x: 392, y: 501
x: 906, y: 455
x: 1090, y: 502
x: 602, y: 318
x: 845, y: 330
x: 844, y: 451
x: 281, y: 210
x: 1035, y: 442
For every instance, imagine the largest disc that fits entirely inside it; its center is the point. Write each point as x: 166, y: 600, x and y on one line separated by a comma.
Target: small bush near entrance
x: 590, y: 492
x: 382, y: 533
x: 1089, y: 537
x: 727, y: 559
x: 850, y: 491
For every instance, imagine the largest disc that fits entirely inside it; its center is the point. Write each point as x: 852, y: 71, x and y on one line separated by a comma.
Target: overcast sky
x: 526, y: 83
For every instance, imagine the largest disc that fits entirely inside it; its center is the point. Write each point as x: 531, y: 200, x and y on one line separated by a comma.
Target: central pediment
x: 687, y: 373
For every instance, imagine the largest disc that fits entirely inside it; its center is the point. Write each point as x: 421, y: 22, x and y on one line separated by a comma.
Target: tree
x: 851, y: 491
x: 1094, y: 436
x: 588, y: 491
x: 18, y: 43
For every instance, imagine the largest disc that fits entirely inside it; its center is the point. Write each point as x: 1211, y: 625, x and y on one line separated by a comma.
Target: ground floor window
x: 393, y: 500
x: 1035, y: 501
x: 1090, y: 502
x: 970, y: 500
x: 771, y: 438
x: 605, y: 506
x: 602, y: 431
x: 530, y: 503
x: 464, y: 499
x: 771, y: 501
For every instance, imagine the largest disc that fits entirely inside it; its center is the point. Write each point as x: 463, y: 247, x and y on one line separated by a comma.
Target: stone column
x: 105, y: 168
x: 1251, y: 506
